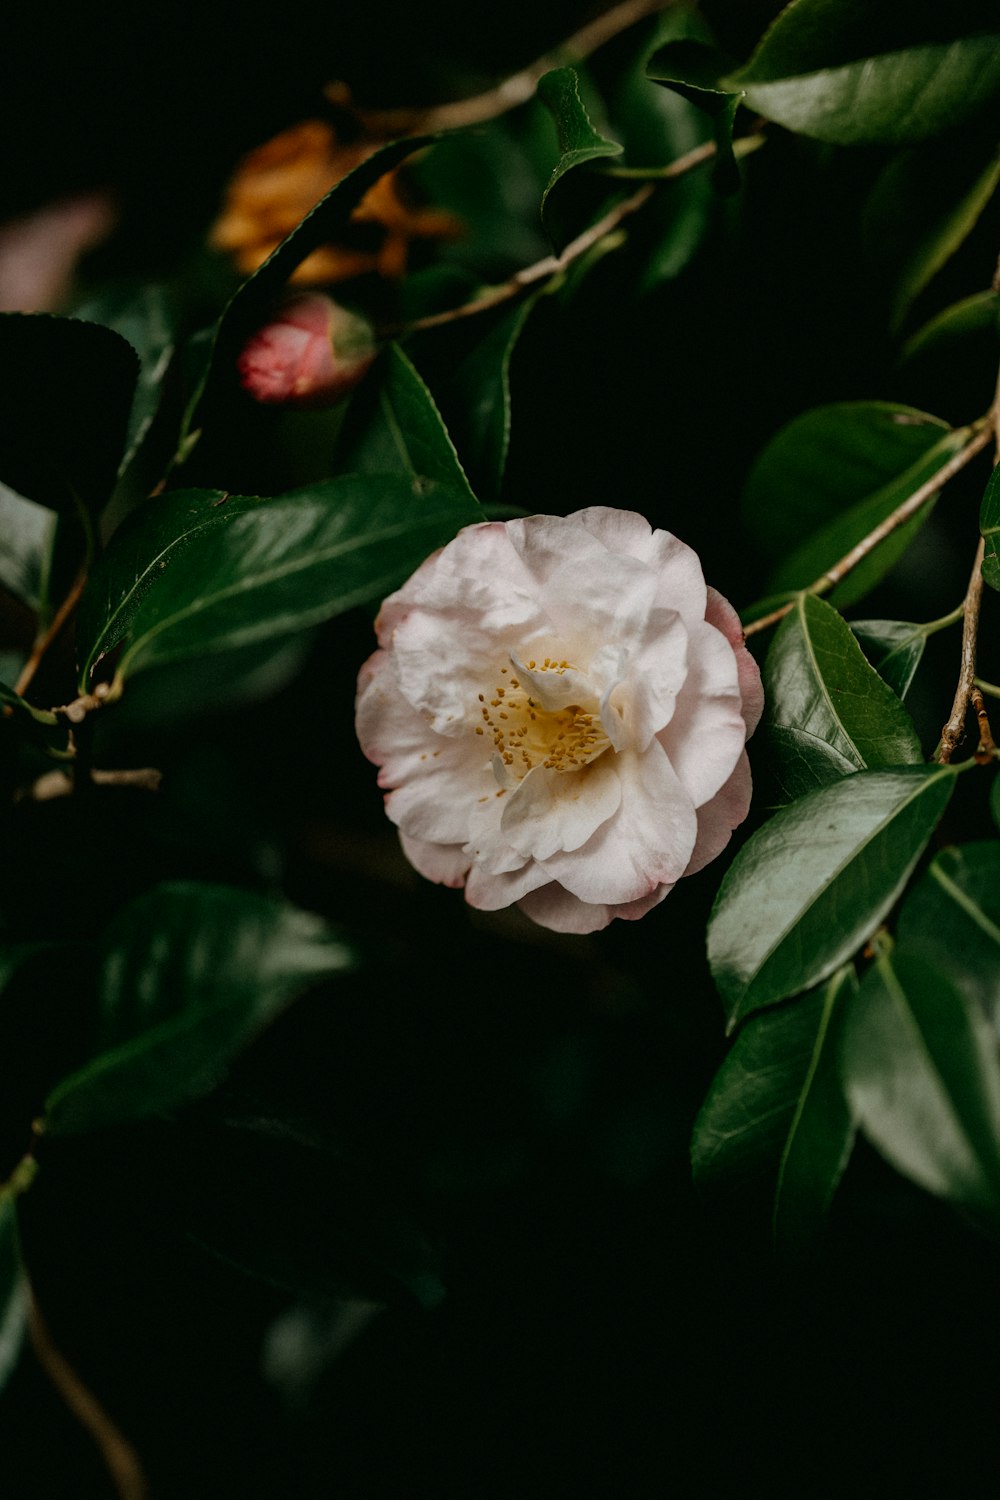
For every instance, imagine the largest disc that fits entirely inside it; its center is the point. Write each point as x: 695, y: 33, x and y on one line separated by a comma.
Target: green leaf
x: 38, y: 724
x: 776, y: 1111
x: 253, y: 300
x: 475, y: 396
x: 853, y: 74
x: 807, y: 890
x: 146, y: 317
x: 970, y: 316
x: 13, y: 1291
x: 190, y: 974
x: 206, y: 576
x: 25, y: 537
x: 363, y: 1243
x: 579, y: 143
x: 952, y: 918
x: 828, y: 712
x: 922, y: 1073
x: 694, y: 69
x: 832, y: 475
x: 393, y: 426
x: 67, y: 392
x: 894, y: 648
x: 925, y: 202
x: 989, y: 525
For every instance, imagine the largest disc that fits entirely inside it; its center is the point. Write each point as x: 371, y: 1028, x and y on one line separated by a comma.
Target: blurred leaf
x: 694, y: 69
x: 253, y: 300
x: 828, y: 712
x: 922, y: 1073
x: 43, y: 727
x: 852, y: 73
x: 393, y: 426
x: 923, y: 205
x: 287, y: 1202
x: 832, y: 475
x: 952, y: 918
x: 807, y: 890
x: 475, y: 395
x: 25, y: 535
x: 989, y: 525
x: 776, y: 1111
x: 894, y: 648
x: 579, y: 143
x: 971, y: 315
x: 146, y: 317
x: 192, y: 574
x: 190, y: 974
x: 64, y: 404
x: 13, y: 1291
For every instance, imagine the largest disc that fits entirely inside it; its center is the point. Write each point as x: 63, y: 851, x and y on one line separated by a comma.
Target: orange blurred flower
x: 275, y: 186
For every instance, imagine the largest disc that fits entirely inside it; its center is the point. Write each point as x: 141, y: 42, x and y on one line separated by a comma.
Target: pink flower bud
x: 311, y: 353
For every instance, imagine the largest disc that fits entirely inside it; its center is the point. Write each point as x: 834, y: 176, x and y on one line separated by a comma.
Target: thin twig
x: 512, y: 91
x: 982, y: 434
x: 45, y: 640
x: 953, y: 730
x: 119, y: 1456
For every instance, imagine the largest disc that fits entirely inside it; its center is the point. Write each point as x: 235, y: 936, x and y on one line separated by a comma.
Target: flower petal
x: 447, y: 864
x: 706, y: 735
x: 648, y: 842
x: 552, y: 906
x: 494, y: 892
x: 553, y: 810
x: 723, y: 616
x: 718, y: 818
x: 681, y: 583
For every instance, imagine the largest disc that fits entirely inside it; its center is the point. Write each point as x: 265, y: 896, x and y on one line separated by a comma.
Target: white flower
x: 559, y: 708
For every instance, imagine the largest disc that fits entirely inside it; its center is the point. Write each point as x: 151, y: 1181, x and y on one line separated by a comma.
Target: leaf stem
x: 48, y: 636
x: 510, y: 92
x: 980, y: 436
x: 952, y: 618
x: 745, y: 146
x: 954, y: 727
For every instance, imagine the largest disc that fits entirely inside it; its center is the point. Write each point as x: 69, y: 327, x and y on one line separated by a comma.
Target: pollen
x: 526, y: 735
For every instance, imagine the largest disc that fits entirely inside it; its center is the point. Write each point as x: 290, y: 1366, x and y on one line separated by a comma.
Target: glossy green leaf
x: 25, y: 536
x: 832, y: 475
x: 212, y: 574
x: 254, y: 298
x: 579, y: 143
x: 253, y: 1203
x: 925, y: 202
x: 13, y: 1291
x: 827, y: 711
x: 393, y: 426
x: 989, y: 525
x: 145, y: 316
x: 853, y: 74
x: 952, y: 918
x: 776, y: 1111
x: 475, y: 397
x: 64, y: 406
x: 970, y: 316
x: 921, y: 1069
x: 894, y: 648
x: 811, y: 886
x: 190, y: 974
x: 694, y: 69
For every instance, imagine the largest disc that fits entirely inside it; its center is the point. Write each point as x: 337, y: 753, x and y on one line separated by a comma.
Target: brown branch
x: 954, y: 728
x: 982, y: 435
x: 512, y: 91
x: 119, y: 1456
x: 45, y: 640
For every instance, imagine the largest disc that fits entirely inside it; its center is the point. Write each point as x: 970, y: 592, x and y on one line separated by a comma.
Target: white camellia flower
x: 559, y: 708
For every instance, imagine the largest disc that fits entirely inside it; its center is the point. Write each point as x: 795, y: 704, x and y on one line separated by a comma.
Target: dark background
x: 520, y: 1105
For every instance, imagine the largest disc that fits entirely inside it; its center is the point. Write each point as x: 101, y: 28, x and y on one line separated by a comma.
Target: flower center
x: 525, y: 734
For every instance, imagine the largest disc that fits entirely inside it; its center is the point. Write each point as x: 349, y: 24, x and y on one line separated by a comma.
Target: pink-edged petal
x: 723, y: 616
x: 706, y: 735
x: 494, y: 892
x: 447, y: 864
x: 718, y: 818
x: 553, y: 907
x: 647, y: 843
x: 431, y: 779
x: 553, y: 810
x: 681, y: 583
